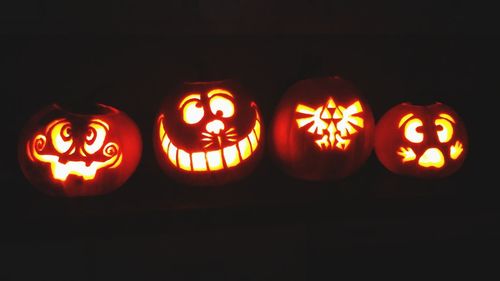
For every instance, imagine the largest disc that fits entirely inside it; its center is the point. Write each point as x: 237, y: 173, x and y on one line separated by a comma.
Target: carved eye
x: 444, y: 127
x: 222, y: 104
x: 411, y: 132
x: 61, y: 136
x: 192, y: 110
x: 94, y: 138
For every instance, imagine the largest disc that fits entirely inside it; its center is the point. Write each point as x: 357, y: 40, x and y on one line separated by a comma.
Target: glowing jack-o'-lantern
x: 209, y: 133
x: 322, y: 129
x: 79, y: 154
x: 421, y: 141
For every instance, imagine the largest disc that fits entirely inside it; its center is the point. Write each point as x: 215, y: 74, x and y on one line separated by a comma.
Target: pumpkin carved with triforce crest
x: 322, y: 129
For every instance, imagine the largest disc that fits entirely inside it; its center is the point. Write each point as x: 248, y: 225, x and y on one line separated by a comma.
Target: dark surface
x: 268, y: 226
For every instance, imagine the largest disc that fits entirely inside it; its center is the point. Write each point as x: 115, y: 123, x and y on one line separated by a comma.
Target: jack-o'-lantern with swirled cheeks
x: 79, y: 154
x: 208, y: 133
x: 421, y: 141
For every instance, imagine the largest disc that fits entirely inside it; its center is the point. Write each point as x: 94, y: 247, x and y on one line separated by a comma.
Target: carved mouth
x: 212, y: 140
x: 432, y: 157
x: 61, y: 171
x: 211, y: 160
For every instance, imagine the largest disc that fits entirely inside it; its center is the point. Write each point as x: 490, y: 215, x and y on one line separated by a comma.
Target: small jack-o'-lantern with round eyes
x: 208, y: 133
x: 79, y: 154
x: 322, y: 129
x: 421, y: 141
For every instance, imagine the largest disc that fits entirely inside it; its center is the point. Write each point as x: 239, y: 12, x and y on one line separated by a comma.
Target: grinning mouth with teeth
x: 222, y: 151
x: 61, y: 171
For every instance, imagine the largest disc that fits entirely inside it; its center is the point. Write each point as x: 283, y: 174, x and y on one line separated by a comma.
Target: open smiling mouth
x: 211, y: 160
x: 60, y: 171
x: 432, y: 157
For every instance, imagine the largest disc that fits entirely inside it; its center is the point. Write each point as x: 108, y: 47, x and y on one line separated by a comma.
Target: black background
x: 268, y: 226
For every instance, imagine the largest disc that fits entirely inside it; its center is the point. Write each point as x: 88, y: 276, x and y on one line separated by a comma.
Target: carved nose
x: 215, y: 127
x: 432, y: 157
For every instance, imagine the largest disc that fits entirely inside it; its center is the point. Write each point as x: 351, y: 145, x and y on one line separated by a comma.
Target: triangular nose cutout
x: 330, y: 103
x: 337, y: 114
x: 326, y: 115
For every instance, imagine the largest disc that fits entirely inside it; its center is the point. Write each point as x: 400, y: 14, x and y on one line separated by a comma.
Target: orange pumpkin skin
x: 322, y: 129
x: 208, y: 133
x: 421, y: 141
x: 70, y: 154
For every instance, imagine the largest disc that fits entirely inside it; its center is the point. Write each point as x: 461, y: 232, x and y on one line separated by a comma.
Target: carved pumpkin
x: 79, y: 154
x: 421, y: 141
x: 208, y: 133
x: 322, y: 129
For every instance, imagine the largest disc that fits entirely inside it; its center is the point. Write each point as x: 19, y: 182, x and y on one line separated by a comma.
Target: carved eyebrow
x: 188, y: 98
x: 219, y: 92
x: 447, y: 117
x: 99, y: 121
x: 404, y: 119
x: 53, y: 123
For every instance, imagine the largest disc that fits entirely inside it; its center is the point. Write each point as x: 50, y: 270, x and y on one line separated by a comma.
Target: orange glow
x: 118, y: 162
x: 344, y: 125
x: 172, y: 153
x: 253, y: 140
x: 407, y: 153
x: 410, y: 131
x: 432, y: 157
x: 256, y: 129
x: 231, y: 155
x: 222, y: 104
x: 445, y: 131
x: 456, y: 150
x: 314, y: 119
x: 245, y: 148
x: 332, y: 123
x: 215, y: 160
x: 60, y: 135
x: 404, y: 119
x: 447, y: 116
x: 214, y: 126
x: 190, y: 97
x: 192, y: 111
x: 211, y: 160
x: 219, y: 92
x: 328, y: 140
x: 184, y: 160
x: 95, y: 136
x: 199, y: 161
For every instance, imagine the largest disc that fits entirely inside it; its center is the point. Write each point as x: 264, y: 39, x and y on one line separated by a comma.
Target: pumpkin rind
x: 421, y: 141
x: 323, y: 129
x: 63, y: 153
x: 208, y: 133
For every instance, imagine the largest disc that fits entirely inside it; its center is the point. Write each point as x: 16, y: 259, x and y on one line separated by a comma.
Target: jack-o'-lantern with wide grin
x: 421, y: 141
x: 65, y: 153
x: 208, y: 133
